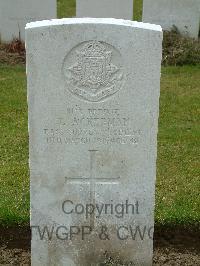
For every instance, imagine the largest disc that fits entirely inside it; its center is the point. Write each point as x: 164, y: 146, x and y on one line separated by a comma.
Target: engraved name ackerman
x: 93, y: 71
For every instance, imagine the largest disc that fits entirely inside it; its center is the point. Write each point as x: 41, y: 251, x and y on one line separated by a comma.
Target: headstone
x: 105, y: 8
x: 15, y: 14
x: 93, y: 120
x: 183, y: 15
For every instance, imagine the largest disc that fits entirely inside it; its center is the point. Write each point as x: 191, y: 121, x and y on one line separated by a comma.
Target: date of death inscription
x: 92, y: 126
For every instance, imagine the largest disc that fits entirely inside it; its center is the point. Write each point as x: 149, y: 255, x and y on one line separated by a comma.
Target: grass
x: 138, y: 4
x: 178, y: 182
x: 66, y: 8
x: 178, y: 171
x: 14, y: 181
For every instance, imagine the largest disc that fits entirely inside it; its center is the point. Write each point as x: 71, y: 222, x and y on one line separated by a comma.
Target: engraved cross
x: 92, y: 180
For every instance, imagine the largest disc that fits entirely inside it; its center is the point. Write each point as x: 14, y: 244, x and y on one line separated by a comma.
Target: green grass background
x: 178, y: 169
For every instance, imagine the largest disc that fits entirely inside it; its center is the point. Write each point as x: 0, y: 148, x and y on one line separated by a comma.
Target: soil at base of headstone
x: 172, y: 246
x: 12, y: 53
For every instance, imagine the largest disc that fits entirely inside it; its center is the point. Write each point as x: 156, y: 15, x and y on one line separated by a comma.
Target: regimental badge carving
x: 93, y: 71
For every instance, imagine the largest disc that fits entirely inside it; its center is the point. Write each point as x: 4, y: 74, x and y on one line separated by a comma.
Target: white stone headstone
x: 183, y: 14
x: 15, y: 14
x: 105, y: 8
x: 93, y: 94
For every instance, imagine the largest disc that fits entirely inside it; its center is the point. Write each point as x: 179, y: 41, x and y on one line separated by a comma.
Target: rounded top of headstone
x: 111, y: 21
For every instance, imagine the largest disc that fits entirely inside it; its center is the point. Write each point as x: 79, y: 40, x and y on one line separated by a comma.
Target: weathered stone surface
x: 14, y: 14
x: 184, y: 15
x: 93, y: 94
x: 105, y: 8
